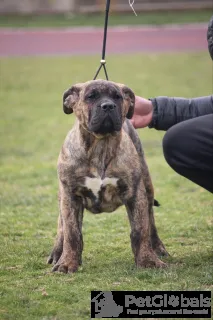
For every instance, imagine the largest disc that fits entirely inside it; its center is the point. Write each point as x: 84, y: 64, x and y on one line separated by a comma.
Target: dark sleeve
x: 210, y: 37
x: 169, y: 111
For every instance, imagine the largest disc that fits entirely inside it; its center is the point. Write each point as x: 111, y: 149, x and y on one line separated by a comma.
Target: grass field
x: 33, y: 127
x: 157, y: 18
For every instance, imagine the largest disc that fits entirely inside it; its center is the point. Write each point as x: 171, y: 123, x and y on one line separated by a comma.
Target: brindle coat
x: 100, y: 169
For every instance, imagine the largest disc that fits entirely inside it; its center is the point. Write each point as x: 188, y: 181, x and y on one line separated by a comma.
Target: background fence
x: 89, y: 6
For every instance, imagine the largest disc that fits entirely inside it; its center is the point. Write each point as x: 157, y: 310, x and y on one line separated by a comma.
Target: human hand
x: 143, y: 113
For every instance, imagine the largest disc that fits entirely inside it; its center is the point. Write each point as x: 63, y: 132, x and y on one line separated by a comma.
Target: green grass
x: 32, y: 129
x: 157, y: 18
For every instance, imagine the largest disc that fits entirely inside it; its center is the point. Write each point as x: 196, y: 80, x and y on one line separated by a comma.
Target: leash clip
x: 103, y: 62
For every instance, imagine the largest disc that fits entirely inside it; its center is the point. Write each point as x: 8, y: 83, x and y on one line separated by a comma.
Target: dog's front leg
x: 72, y: 215
x: 58, y: 246
x: 138, y: 212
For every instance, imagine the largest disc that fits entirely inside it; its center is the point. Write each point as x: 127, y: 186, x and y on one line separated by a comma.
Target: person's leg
x: 188, y: 149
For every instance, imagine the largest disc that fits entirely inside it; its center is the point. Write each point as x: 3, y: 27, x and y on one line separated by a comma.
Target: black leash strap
x: 103, y: 61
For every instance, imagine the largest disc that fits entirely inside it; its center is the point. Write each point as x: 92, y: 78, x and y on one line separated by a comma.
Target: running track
x: 82, y: 41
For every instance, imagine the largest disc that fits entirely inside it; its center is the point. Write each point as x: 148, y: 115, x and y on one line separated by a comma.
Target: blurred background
x: 68, y: 13
x: 77, y: 6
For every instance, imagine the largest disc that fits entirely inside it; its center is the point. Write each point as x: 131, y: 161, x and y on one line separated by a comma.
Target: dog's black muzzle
x: 105, y: 117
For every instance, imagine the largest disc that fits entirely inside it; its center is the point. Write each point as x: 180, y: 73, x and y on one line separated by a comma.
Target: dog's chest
x: 97, y: 185
x: 100, y: 194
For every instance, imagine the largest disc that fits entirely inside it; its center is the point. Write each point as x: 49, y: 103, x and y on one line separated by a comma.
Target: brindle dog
x: 101, y: 167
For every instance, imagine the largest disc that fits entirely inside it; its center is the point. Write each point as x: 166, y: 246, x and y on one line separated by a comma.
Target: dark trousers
x: 188, y: 149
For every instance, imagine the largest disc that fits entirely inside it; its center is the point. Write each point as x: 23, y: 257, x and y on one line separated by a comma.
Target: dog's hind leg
x: 156, y: 243
x: 138, y: 213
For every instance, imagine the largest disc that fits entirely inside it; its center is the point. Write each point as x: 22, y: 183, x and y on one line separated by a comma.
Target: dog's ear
x: 70, y: 98
x: 129, y: 96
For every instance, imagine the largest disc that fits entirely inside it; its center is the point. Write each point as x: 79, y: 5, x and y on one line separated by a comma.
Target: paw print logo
x: 173, y: 301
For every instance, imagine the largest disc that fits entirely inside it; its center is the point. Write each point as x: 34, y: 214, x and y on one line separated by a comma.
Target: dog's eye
x: 117, y: 96
x: 92, y: 95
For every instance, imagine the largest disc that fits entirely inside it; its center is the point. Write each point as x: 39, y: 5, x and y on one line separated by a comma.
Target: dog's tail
x: 156, y: 203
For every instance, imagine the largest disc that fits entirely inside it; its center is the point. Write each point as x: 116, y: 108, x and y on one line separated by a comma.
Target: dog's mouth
x: 105, y: 125
x: 108, y: 126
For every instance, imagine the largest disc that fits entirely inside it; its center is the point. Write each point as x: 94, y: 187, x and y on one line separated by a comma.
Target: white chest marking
x: 95, y: 184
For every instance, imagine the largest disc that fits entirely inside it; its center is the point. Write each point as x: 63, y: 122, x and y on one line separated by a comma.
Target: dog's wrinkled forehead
x: 101, y: 87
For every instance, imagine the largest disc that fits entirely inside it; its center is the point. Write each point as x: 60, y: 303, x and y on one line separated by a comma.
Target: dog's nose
x: 108, y: 106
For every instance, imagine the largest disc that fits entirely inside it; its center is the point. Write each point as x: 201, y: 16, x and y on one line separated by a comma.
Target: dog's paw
x: 150, y: 260
x: 161, y: 251
x: 159, y: 248
x: 55, y: 256
x: 65, y: 266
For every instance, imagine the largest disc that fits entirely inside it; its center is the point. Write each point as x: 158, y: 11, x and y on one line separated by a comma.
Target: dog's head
x: 100, y: 106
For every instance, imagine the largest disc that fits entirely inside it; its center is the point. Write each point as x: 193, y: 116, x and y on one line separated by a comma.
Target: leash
x: 103, y: 61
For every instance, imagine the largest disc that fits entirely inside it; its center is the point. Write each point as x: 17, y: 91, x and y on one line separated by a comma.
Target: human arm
x: 162, y: 113
x: 170, y: 111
